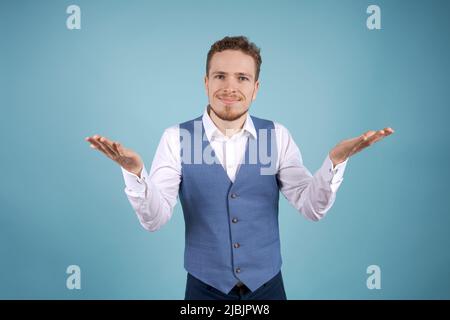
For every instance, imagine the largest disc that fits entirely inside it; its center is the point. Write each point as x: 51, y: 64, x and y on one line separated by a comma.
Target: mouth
x: 229, y: 100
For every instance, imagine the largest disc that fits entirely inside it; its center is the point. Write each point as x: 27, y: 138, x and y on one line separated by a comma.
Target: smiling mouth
x: 227, y: 100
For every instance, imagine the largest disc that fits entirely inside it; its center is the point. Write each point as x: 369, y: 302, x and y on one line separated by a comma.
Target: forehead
x: 232, y: 61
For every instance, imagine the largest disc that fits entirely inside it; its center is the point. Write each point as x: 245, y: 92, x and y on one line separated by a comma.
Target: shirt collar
x: 212, y: 131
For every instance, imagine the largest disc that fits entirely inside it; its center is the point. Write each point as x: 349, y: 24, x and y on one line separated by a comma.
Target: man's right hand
x: 126, y: 158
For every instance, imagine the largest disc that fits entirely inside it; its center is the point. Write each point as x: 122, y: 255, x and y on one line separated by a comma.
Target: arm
x: 311, y: 195
x: 314, y: 195
x: 152, y: 196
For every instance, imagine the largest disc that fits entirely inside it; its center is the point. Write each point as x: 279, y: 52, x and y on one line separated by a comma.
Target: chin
x: 228, y: 113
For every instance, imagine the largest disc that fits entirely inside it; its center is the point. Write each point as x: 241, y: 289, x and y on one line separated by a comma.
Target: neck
x: 228, y: 128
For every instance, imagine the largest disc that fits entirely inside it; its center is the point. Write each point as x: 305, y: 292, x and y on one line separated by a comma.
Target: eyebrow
x: 236, y: 73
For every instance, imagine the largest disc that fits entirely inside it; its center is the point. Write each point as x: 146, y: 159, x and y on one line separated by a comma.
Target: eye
x: 243, y: 78
x: 219, y: 76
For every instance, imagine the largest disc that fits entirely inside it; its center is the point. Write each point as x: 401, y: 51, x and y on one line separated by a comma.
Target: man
x: 230, y: 204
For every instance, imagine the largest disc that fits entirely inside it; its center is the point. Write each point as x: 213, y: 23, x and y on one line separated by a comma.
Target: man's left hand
x: 347, y: 148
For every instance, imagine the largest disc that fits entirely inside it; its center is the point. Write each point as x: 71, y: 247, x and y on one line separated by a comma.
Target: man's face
x: 230, y: 84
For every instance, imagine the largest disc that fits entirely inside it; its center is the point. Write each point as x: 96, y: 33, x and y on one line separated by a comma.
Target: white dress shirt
x: 153, y: 196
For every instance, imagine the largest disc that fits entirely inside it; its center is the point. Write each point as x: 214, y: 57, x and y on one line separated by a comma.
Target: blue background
x: 137, y: 67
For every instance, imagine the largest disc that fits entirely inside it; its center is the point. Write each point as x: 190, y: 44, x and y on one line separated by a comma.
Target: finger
x: 358, y: 141
x: 388, y: 131
x: 111, y: 152
x: 368, y: 134
x: 380, y: 134
x: 374, y: 140
x: 93, y: 139
x: 354, y: 141
x: 118, y: 148
x: 98, y: 146
x: 89, y: 139
x: 362, y: 142
x: 364, y: 138
x: 93, y: 143
x: 374, y: 137
x: 369, y: 138
x: 108, y: 145
x: 106, y: 141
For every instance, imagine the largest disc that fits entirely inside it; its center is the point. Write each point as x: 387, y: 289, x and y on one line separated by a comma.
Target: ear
x: 255, y: 91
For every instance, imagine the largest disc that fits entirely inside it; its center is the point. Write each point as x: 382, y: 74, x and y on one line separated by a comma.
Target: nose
x: 229, y: 86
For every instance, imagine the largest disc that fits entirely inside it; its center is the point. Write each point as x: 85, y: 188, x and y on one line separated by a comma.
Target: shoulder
x: 189, y: 123
x: 281, y: 129
x: 172, y: 134
x: 262, y: 123
x: 174, y: 130
x: 284, y: 137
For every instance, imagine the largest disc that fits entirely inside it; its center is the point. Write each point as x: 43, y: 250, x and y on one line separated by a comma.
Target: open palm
x: 349, y: 147
x: 126, y: 158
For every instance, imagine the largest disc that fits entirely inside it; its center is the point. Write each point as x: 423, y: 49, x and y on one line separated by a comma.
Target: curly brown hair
x: 236, y: 43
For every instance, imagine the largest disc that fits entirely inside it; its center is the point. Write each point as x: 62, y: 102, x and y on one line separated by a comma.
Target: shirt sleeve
x: 154, y: 195
x: 311, y: 195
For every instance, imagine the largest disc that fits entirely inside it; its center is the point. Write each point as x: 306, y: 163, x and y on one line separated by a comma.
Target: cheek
x: 213, y: 88
x: 249, y: 92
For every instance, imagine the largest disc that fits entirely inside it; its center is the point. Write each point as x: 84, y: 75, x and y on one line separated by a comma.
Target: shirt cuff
x: 133, y: 183
x: 333, y: 175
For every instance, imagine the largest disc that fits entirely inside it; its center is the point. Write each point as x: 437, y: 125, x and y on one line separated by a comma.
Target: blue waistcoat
x: 231, y: 229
